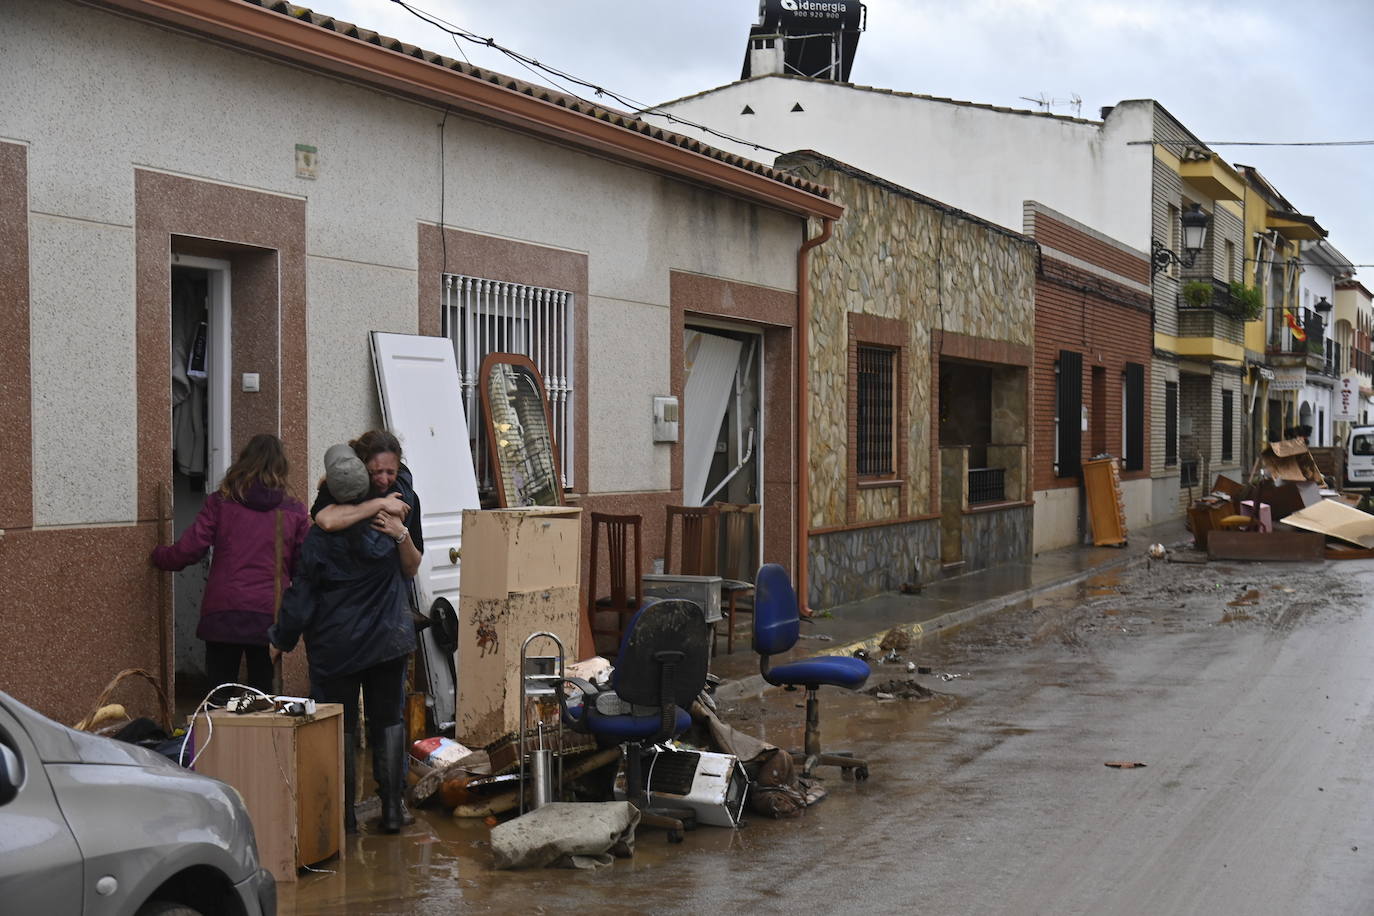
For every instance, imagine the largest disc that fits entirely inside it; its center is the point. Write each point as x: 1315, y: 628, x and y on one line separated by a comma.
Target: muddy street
x: 1244, y: 689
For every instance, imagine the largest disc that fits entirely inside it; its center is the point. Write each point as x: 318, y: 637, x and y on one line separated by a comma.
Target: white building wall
x: 977, y: 158
x: 100, y: 95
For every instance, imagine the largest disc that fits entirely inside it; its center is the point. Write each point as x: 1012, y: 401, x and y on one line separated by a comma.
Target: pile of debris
x: 1289, y: 511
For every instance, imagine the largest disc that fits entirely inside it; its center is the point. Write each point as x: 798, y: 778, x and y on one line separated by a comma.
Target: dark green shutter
x: 1070, y: 413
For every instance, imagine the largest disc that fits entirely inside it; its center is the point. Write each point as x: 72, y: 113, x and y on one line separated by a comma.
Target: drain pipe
x: 803, y: 472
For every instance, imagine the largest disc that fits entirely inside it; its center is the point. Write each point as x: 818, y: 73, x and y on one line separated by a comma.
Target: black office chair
x: 777, y: 624
x: 660, y: 669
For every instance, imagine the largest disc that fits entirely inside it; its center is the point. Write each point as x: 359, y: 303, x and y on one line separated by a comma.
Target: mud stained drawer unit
x: 1106, y: 512
x: 289, y: 770
x: 521, y: 574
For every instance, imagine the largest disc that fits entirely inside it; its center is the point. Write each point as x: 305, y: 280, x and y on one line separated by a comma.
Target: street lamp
x: 1321, y: 305
x: 1195, y: 221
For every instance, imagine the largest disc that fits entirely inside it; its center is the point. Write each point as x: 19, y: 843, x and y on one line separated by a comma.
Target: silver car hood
x: 60, y: 744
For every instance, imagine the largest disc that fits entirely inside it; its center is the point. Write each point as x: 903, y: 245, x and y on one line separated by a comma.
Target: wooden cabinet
x: 1106, y: 509
x: 521, y: 574
x: 289, y: 770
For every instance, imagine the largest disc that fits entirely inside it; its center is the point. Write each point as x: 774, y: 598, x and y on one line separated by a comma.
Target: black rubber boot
x: 391, y: 775
x: 350, y: 781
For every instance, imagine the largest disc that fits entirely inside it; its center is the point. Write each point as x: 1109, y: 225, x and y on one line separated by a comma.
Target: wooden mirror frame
x: 493, y: 452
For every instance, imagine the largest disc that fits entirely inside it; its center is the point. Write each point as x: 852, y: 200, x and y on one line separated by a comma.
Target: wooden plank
x: 1302, y: 546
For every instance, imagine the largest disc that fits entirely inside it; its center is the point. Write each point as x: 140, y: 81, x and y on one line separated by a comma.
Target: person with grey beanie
x: 349, y: 599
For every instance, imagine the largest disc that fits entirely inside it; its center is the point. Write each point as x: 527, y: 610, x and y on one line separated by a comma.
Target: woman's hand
x: 393, y: 504
x: 389, y: 524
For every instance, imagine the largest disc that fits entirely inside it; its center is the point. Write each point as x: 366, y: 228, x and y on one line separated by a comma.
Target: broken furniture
x: 521, y: 574
x: 697, y: 547
x: 1106, y: 510
x: 660, y: 670
x: 289, y: 770
x: 607, y: 614
x: 739, y: 558
x: 777, y: 626
x: 1259, y: 511
x: 524, y: 461
x: 1290, y: 460
x: 1211, y: 513
x: 1288, y: 546
x: 698, y: 550
x: 702, y: 590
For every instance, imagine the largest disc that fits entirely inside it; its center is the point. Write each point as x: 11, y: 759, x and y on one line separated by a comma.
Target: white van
x: 1359, y: 457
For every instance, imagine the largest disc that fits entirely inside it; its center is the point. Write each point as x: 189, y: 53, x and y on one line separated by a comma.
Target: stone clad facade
x: 940, y: 288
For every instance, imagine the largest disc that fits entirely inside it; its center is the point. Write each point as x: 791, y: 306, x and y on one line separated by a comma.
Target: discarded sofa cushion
x: 566, y: 835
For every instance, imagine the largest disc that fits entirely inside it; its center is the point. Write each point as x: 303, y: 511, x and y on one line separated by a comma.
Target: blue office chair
x: 660, y: 670
x: 777, y: 624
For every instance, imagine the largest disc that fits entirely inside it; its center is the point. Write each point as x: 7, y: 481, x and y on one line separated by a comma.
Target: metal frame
x: 549, y: 683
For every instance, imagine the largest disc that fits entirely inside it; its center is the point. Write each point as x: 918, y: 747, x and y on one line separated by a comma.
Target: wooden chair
x: 623, y: 600
x: 739, y: 559
x: 699, y: 524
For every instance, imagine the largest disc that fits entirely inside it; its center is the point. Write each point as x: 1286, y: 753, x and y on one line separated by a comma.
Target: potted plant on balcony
x: 1197, y: 293
x: 1246, y: 301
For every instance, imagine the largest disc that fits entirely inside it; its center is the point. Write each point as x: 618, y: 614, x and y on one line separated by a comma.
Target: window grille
x: 987, y: 485
x: 490, y: 316
x: 877, y: 411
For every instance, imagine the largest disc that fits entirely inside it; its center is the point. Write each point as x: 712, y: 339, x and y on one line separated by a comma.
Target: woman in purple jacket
x: 240, y: 521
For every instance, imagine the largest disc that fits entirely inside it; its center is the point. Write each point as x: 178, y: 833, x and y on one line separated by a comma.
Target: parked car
x: 1359, y: 457
x: 89, y: 825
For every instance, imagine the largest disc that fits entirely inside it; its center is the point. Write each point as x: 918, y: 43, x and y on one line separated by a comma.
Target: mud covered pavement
x: 1245, y: 689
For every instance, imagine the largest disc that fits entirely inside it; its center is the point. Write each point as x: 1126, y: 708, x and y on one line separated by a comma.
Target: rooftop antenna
x: 1046, y: 104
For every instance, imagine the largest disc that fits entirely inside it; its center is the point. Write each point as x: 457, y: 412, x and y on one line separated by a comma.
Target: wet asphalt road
x: 1246, y: 690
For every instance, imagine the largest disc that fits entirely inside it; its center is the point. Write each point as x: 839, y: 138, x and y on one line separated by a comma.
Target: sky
x: 1229, y: 71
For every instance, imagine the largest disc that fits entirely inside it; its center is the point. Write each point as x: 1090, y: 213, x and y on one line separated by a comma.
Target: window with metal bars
x: 876, y: 449
x: 490, y: 316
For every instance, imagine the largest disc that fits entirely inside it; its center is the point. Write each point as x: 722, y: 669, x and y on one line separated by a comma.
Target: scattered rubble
x: 899, y: 688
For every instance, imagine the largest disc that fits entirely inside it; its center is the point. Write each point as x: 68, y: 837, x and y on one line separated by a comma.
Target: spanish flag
x: 1298, y: 333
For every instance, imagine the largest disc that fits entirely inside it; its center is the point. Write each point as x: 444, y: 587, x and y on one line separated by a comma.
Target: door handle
x: 453, y: 554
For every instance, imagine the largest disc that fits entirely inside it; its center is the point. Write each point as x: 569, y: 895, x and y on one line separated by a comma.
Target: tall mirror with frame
x: 524, y: 462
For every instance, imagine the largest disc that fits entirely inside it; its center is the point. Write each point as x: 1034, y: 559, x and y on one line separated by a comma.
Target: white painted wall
x: 1057, y: 511
x: 96, y: 95
x: 978, y: 159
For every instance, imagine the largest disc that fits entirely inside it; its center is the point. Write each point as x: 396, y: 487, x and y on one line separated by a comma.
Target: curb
x: 755, y: 685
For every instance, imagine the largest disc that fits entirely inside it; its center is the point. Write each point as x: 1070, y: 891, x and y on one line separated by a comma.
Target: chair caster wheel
x: 675, y: 836
x: 861, y: 774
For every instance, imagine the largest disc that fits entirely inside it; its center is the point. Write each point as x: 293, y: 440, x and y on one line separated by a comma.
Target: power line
x: 529, y: 63
x: 1253, y: 142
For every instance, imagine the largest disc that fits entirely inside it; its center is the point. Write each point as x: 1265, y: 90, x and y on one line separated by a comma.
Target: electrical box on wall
x: 666, y: 413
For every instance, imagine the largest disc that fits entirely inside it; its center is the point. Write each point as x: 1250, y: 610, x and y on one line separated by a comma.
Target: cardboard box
x: 1338, y: 520
x: 1289, y: 459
